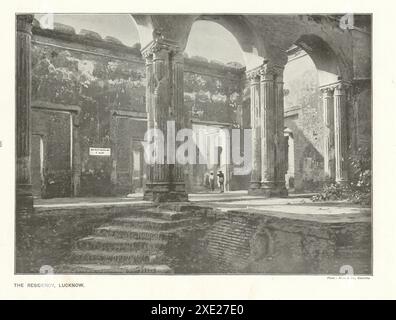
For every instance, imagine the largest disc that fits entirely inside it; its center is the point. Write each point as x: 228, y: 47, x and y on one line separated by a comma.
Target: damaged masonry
x: 240, y: 146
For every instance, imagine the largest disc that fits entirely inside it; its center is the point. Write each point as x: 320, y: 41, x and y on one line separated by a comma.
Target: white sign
x: 99, y: 151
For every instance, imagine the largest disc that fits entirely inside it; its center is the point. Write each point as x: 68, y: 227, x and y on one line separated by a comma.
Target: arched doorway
x: 213, y: 95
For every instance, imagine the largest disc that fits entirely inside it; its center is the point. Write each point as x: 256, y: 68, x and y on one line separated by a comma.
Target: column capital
x: 270, y: 71
x: 148, y: 59
x: 266, y: 71
x: 24, y: 23
x: 253, y: 75
x: 157, y: 46
x: 340, y: 88
x: 327, y: 91
x: 336, y: 88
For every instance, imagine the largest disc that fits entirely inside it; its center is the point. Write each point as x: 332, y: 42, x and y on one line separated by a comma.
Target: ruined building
x: 84, y: 103
x: 89, y: 92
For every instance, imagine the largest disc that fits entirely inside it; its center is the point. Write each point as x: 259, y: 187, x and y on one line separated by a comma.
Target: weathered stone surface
x: 113, y: 40
x: 90, y: 34
x: 104, y: 79
x: 236, y: 65
x: 200, y: 238
x: 64, y: 28
x: 263, y: 244
x: 199, y: 58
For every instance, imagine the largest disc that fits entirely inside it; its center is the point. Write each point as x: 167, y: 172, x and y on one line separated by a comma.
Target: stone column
x: 179, y: 114
x: 255, y: 178
x: 280, y: 142
x: 328, y: 137
x: 149, y: 168
x: 24, y: 198
x: 164, y: 102
x: 340, y: 133
x: 268, y: 131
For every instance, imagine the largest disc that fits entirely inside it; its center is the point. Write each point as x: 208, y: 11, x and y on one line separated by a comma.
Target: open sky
x: 207, y: 39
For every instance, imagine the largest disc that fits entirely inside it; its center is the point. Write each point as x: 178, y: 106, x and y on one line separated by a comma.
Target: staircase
x: 136, y: 243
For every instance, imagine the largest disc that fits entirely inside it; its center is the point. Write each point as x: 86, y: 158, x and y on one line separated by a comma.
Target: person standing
x: 211, y: 181
x: 206, y: 180
x: 221, y: 181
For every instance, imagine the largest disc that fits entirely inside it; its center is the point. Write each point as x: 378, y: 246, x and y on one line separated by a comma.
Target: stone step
x: 137, y: 233
x: 114, y: 257
x: 103, y: 268
x: 182, y: 207
x: 161, y: 213
x: 119, y: 244
x: 154, y: 223
x: 169, y: 211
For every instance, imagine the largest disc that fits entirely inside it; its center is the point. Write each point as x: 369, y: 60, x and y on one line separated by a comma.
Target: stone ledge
x: 85, y: 37
x: 91, y: 38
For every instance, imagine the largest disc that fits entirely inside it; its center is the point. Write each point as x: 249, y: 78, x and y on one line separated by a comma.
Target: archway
x: 325, y: 60
x: 252, y: 46
x: 213, y: 95
x: 316, y: 112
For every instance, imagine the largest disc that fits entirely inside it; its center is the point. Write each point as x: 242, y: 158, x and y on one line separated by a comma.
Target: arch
x: 177, y: 28
x: 210, y: 41
x: 144, y: 26
x: 250, y: 43
x: 330, y: 68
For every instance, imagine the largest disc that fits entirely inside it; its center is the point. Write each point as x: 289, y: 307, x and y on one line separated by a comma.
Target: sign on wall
x: 99, y: 152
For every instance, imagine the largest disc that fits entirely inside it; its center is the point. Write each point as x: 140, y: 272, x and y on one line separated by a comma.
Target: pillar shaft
x: 280, y: 142
x: 340, y: 134
x: 255, y: 119
x: 24, y: 199
x: 268, y: 132
x: 177, y: 111
x: 164, y: 102
x: 328, y: 136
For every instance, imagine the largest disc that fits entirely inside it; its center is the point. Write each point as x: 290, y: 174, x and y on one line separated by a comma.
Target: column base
x: 270, y: 189
x: 165, y: 192
x: 270, y: 193
x: 281, y: 186
x: 254, y: 188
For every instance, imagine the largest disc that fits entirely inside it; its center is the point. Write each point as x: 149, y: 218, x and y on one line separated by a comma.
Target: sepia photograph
x: 190, y: 144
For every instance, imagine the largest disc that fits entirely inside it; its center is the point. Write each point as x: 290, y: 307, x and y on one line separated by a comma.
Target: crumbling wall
x: 103, y: 75
x: 243, y: 242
